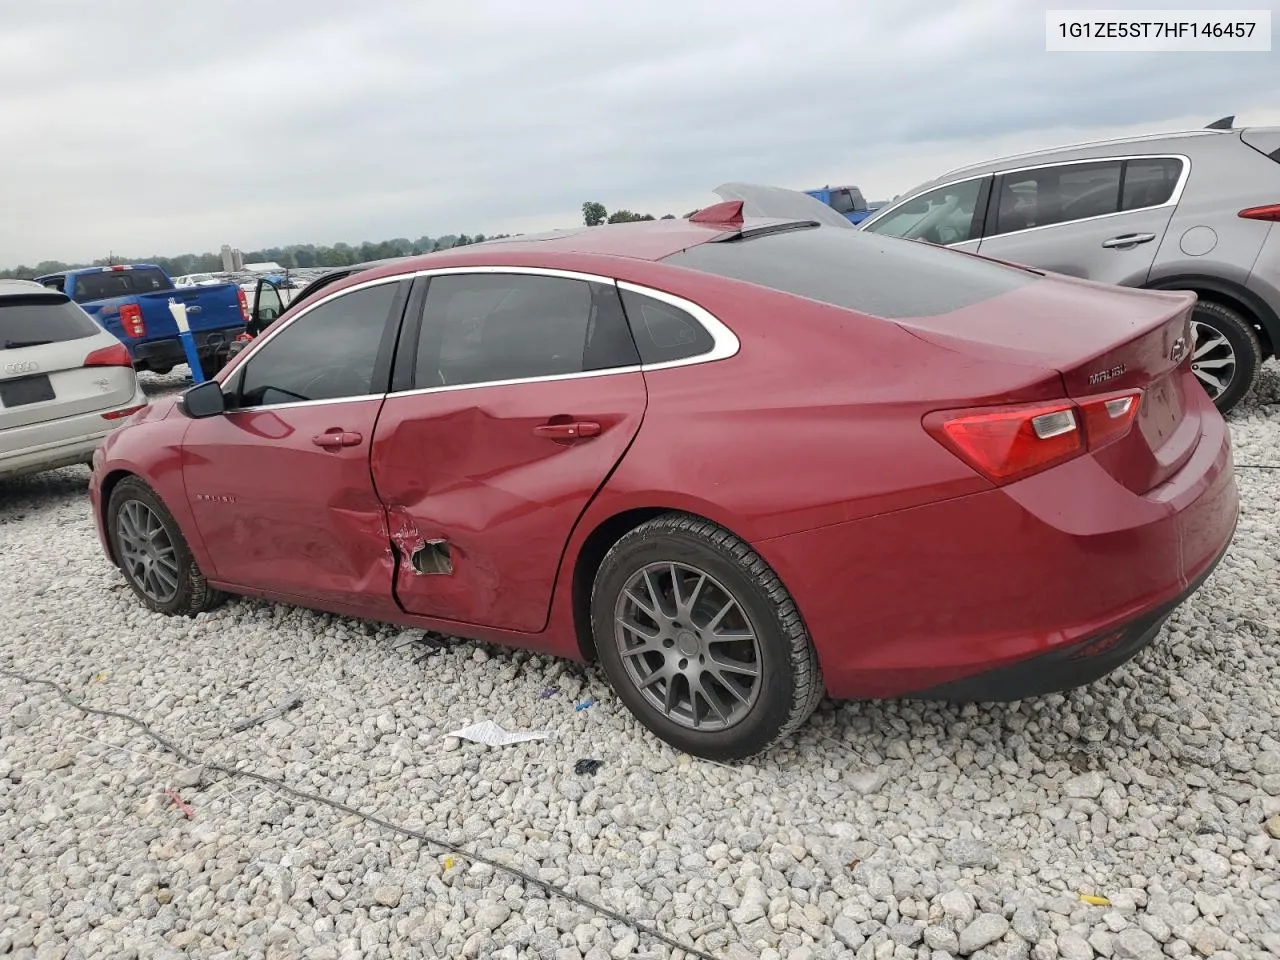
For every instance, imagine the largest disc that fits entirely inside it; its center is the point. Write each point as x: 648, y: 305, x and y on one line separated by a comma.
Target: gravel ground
x: 885, y: 830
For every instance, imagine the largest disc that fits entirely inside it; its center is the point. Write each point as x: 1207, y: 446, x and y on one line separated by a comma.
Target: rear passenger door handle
x: 575, y: 430
x: 1128, y: 240
x: 333, y: 439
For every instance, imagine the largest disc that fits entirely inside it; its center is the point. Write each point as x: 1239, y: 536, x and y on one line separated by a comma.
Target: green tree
x: 593, y: 213
x: 668, y: 216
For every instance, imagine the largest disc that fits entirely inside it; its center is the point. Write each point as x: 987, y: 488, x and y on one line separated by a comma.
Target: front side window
x: 944, y: 216
x: 1049, y: 195
x: 328, y: 353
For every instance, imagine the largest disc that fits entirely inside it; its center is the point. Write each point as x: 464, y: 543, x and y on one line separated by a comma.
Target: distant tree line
x: 294, y: 256
x: 594, y: 214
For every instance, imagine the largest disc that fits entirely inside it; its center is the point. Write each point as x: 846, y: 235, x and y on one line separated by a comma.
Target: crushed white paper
x: 492, y: 735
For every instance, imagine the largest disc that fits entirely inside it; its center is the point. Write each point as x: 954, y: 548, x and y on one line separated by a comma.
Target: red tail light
x: 1270, y: 212
x: 244, y: 304
x: 113, y: 356
x: 1109, y: 418
x: 132, y: 322
x: 121, y: 414
x: 1012, y: 442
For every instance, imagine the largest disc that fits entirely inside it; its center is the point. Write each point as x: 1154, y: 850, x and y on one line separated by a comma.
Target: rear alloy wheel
x: 701, y: 641
x: 152, y: 553
x: 1226, y: 353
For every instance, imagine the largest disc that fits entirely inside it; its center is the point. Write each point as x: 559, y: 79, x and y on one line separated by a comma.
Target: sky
x: 155, y: 127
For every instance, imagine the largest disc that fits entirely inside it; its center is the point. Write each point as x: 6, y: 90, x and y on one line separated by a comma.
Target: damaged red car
x: 744, y: 462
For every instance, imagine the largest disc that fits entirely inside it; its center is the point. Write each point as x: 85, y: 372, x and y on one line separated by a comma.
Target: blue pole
x: 193, y: 358
x: 179, y: 311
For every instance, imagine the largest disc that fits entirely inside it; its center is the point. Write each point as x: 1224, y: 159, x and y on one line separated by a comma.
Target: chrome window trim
x: 1072, y: 147
x: 1173, y: 200
x: 725, y: 342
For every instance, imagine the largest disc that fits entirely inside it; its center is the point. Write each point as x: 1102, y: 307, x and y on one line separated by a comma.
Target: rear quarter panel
x: 1206, y: 235
x: 815, y: 421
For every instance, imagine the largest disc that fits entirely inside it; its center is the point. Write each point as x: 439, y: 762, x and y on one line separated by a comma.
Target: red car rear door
x: 279, y: 484
x: 522, y: 391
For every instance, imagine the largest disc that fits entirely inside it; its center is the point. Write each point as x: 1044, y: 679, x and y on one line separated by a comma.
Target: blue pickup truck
x: 848, y: 201
x: 132, y: 302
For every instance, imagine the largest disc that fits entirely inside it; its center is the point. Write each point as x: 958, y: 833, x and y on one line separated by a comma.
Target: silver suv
x: 1196, y: 210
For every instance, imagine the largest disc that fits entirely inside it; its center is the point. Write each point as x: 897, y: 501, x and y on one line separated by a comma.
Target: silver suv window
x: 1048, y: 195
x: 944, y: 216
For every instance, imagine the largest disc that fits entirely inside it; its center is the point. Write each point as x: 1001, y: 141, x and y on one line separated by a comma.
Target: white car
x: 65, y: 382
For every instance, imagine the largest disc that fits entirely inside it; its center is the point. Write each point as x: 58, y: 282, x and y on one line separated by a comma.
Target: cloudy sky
x: 155, y: 127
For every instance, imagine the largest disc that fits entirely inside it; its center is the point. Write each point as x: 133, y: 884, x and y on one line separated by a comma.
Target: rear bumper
x: 1068, y: 667
x: 1011, y: 583
x: 58, y: 443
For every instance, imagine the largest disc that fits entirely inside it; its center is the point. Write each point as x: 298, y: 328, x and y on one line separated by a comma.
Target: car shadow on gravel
x: 20, y: 495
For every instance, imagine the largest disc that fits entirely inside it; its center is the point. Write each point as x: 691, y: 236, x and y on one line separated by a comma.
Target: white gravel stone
x: 887, y: 830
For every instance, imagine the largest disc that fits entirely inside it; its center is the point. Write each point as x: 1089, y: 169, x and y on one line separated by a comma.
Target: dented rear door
x: 525, y: 393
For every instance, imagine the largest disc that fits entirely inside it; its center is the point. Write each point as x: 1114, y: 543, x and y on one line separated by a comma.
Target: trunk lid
x: 1101, y: 340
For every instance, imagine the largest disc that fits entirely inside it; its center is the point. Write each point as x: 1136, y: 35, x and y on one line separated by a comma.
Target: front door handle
x: 333, y: 439
x: 1129, y: 240
x: 574, y: 430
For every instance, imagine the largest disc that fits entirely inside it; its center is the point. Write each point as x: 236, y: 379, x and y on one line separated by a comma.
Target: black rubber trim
x: 1065, y: 668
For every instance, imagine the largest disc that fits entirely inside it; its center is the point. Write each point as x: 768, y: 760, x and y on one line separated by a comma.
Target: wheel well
x: 109, y: 483
x: 589, y: 559
x: 1240, y: 304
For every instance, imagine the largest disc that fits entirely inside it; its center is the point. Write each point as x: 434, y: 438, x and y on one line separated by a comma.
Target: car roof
x: 24, y: 288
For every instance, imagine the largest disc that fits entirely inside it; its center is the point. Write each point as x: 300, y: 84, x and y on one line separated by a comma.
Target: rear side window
x: 29, y: 321
x: 662, y: 332
x: 118, y: 283
x: 493, y: 327
x: 859, y: 271
x: 1038, y: 198
x: 1149, y: 181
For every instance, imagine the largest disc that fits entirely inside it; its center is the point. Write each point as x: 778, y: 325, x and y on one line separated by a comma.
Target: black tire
x: 193, y: 594
x: 1245, y: 346
x: 790, y: 680
x: 159, y: 371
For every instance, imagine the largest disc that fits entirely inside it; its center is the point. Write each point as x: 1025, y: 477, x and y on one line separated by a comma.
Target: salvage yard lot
x: 881, y: 829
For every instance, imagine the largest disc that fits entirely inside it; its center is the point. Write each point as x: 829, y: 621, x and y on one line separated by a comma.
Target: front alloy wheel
x: 149, y: 548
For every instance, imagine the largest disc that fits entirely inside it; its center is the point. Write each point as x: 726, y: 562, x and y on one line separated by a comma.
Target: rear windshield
x: 118, y: 283
x: 859, y: 271
x: 32, y: 321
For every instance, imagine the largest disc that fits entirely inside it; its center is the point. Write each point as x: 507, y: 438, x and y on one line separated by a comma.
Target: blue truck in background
x: 847, y: 201
x: 132, y: 302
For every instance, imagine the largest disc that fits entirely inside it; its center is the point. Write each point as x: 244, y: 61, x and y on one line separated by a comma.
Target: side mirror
x: 204, y: 400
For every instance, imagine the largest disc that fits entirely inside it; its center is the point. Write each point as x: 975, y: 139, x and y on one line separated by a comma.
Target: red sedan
x: 742, y: 462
